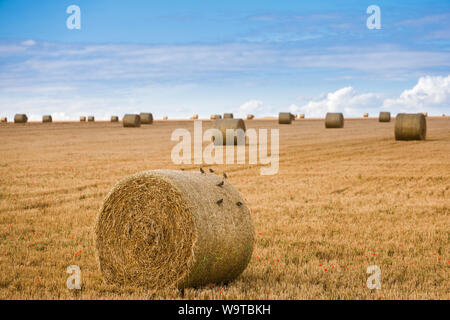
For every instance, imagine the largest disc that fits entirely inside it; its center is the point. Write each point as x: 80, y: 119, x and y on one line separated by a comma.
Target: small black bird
x: 225, y: 175
x: 201, y: 170
x: 220, y: 184
x: 211, y: 170
x: 239, y: 203
x: 219, y: 202
x: 182, y: 169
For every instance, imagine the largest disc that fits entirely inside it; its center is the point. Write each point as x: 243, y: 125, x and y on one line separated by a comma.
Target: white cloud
x: 430, y: 94
x: 29, y: 43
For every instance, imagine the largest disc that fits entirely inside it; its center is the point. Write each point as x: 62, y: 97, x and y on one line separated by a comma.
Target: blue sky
x: 177, y: 58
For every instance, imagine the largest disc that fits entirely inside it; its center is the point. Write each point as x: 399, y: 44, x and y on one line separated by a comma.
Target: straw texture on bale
x: 366, y: 115
x: 82, y: 119
x: 233, y: 126
x: 284, y: 118
x: 146, y: 118
x: 131, y: 121
x: 47, y: 118
x: 250, y: 116
x: 228, y: 116
x: 334, y: 120
x: 384, y: 117
x: 302, y: 116
x: 20, y: 118
x: 114, y: 119
x: 410, y: 126
x: 4, y: 119
x: 91, y: 118
x: 163, y: 228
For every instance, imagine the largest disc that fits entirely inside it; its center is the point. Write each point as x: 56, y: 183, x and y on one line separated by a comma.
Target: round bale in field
x: 334, y: 120
x: 194, y: 117
x: 131, y: 121
x: 250, y: 117
x: 228, y: 116
x: 410, y: 126
x: 165, y: 118
x: 173, y: 229
x: 114, y: 119
x: 425, y: 114
x: 4, y: 119
x: 284, y: 118
x: 366, y: 115
x: 236, y: 131
x: 146, y: 118
x: 302, y: 116
x: 82, y: 119
x: 20, y: 118
x: 384, y: 117
x: 91, y: 119
x: 47, y: 118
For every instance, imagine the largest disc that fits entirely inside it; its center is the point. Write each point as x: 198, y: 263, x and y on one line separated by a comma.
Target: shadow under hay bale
x: 82, y: 119
x: 284, y: 118
x: 384, y: 117
x: 114, y: 119
x: 146, y: 118
x: 334, y: 120
x: 91, y: 119
x: 47, y: 118
x: 228, y: 116
x: 410, y: 126
x: 20, y: 118
x: 236, y: 131
x: 164, y: 228
x: 131, y: 121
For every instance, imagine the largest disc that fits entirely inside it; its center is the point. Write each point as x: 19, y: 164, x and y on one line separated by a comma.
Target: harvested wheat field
x: 342, y: 200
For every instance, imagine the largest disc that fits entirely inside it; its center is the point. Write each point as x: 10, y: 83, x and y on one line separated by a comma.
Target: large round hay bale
x: 114, y: 119
x: 91, y: 119
x: 334, y: 120
x: 365, y: 115
x: 82, y: 119
x: 302, y: 116
x: 131, y: 121
x: 229, y: 124
x: 173, y: 229
x: 228, y: 116
x: 284, y: 118
x: 20, y: 118
x: 47, y: 118
x: 384, y: 117
x: 250, y: 117
x: 146, y: 118
x: 410, y: 126
x: 4, y: 119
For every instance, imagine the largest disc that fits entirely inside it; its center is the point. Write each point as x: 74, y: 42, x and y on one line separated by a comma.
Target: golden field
x: 343, y: 199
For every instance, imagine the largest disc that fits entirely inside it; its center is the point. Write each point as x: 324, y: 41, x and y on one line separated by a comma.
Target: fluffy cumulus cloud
x: 430, y: 94
x: 255, y: 107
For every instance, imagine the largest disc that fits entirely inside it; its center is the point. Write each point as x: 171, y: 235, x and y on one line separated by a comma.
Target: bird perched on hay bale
x: 228, y: 116
x: 47, y: 118
x: 384, y: 117
x: 114, y: 119
x: 410, y: 126
x: 165, y: 229
x: 334, y: 120
x: 146, y: 118
x: 284, y: 118
x: 131, y: 121
x: 236, y: 130
x: 20, y: 118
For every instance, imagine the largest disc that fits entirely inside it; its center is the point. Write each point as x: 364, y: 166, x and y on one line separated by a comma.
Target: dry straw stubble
x: 410, y: 126
x: 164, y: 228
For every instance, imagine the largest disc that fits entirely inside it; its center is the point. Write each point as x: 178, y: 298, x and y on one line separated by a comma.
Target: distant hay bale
x: 165, y: 118
x: 20, y: 118
x: 334, y: 120
x: 167, y: 229
x: 384, y: 117
x: 131, y: 121
x: 91, y: 119
x: 194, y: 117
x: 284, y: 118
x: 4, y: 119
x: 114, y: 119
x: 47, y: 118
x: 425, y: 114
x: 250, y: 117
x: 410, y: 126
x: 146, y: 118
x: 228, y: 116
x: 302, y: 116
x: 443, y: 115
x: 82, y: 119
x: 230, y: 124
x: 366, y: 115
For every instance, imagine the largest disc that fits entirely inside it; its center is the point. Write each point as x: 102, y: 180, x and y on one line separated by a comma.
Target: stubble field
x: 343, y: 200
